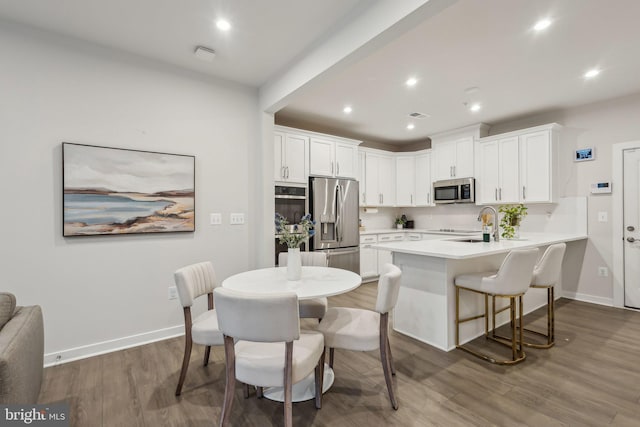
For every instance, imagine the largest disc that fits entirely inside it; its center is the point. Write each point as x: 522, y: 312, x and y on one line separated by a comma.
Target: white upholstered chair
x: 270, y: 349
x: 546, y: 275
x: 314, y: 308
x: 366, y: 330
x: 510, y: 281
x: 192, y: 282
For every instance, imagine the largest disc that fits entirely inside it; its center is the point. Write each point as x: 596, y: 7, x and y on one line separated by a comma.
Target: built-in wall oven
x: 291, y: 203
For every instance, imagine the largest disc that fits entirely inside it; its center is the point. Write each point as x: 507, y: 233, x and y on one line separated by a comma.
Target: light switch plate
x: 215, y: 219
x: 236, y: 218
x: 603, y: 217
x: 173, y: 292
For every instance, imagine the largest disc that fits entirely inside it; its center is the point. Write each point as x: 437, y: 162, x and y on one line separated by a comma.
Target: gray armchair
x: 21, y: 351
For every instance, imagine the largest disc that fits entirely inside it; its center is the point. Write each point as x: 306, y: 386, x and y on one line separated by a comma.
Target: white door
x: 444, y: 155
x: 405, y: 181
x: 295, y: 158
x: 321, y: 157
x: 423, y: 180
x: 278, y: 160
x: 508, y: 191
x: 346, y: 156
x: 631, y: 223
x: 387, y: 181
x: 535, y: 167
x: 463, y: 167
x: 488, y: 179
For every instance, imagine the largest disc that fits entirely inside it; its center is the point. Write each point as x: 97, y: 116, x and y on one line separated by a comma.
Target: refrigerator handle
x: 339, y: 207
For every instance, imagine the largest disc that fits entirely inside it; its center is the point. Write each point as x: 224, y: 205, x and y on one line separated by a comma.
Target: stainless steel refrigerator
x: 333, y: 205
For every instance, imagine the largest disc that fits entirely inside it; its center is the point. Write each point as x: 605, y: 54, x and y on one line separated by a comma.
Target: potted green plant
x: 400, y: 222
x: 510, y: 222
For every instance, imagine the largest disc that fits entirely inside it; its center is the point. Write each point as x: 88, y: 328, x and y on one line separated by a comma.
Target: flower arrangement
x: 513, y: 214
x: 294, y: 235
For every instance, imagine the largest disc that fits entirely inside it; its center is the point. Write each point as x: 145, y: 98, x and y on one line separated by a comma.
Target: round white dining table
x: 315, y: 282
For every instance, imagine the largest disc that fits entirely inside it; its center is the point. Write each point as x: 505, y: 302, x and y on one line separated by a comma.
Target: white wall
x: 96, y: 289
x: 598, y: 125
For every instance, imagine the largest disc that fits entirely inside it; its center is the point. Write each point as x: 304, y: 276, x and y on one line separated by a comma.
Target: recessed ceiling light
x: 410, y: 126
x: 475, y: 107
x: 591, y: 73
x: 347, y: 109
x: 223, y: 25
x: 542, y: 24
x: 411, y: 81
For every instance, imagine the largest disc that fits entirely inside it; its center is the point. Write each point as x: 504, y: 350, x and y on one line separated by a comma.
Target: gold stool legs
x: 550, y: 335
x: 517, y: 353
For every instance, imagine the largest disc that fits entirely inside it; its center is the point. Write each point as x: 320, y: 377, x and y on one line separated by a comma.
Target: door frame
x: 617, y: 246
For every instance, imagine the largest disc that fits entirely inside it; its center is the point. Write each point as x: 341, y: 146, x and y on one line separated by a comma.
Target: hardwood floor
x: 590, y: 378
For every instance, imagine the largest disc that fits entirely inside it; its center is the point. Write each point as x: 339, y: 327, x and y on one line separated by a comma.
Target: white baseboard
x: 588, y: 298
x: 69, y: 355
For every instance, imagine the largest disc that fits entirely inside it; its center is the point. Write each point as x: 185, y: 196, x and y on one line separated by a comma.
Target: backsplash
x: 569, y: 215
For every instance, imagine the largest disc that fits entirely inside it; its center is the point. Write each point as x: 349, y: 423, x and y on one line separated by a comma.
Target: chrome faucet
x: 496, y: 229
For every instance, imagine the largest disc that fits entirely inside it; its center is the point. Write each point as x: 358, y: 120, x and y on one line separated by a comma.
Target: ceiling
x: 264, y: 38
x: 488, y: 45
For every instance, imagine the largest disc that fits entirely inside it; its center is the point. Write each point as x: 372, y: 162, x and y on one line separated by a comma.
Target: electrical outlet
x: 602, y: 216
x: 215, y: 219
x: 236, y: 218
x: 173, y: 292
x: 603, y: 271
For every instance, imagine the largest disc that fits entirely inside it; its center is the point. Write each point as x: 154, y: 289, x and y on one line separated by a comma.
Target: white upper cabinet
x: 362, y: 178
x: 379, y: 179
x: 290, y: 157
x: 330, y: 157
x: 497, y: 177
x: 453, y: 152
x: 537, y: 168
x: 424, y: 182
x: 454, y: 159
x: 405, y: 180
x: 518, y: 167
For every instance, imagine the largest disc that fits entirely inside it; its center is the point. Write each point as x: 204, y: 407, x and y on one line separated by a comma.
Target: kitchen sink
x: 467, y: 240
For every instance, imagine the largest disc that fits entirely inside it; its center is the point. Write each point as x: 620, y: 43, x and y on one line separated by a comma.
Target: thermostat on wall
x: 601, y: 188
x: 584, y: 154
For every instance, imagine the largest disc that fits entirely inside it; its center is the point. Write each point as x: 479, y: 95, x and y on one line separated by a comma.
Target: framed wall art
x: 111, y: 191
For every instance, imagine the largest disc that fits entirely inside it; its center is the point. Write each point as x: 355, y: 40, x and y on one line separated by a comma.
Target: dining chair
x: 510, y: 281
x: 194, y: 281
x: 269, y: 350
x: 366, y: 330
x: 314, y: 308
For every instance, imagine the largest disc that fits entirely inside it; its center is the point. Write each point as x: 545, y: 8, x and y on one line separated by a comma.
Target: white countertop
x: 449, y: 248
x: 410, y: 230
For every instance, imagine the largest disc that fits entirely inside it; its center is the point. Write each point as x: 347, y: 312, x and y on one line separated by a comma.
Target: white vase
x: 294, y: 264
x: 399, y: 226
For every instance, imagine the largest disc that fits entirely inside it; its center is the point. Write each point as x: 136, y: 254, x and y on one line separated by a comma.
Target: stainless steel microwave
x: 461, y: 190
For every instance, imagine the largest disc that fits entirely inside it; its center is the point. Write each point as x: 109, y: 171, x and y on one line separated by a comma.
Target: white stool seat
x: 263, y: 363
x: 481, y: 282
x: 205, y: 329
x: 351, y: 329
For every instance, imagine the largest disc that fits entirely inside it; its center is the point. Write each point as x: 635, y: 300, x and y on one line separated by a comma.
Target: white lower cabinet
x: 368, y: 257
x: 386, y: 257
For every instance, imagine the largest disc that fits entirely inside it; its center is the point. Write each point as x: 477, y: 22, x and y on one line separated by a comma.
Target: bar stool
x: 546, y: 275
x: 510, y: 281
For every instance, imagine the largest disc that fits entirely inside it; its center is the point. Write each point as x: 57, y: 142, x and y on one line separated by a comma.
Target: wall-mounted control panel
x: 601, y: 188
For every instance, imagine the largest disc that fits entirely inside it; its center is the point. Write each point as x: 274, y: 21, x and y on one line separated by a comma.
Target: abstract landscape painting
x: 118, y: 191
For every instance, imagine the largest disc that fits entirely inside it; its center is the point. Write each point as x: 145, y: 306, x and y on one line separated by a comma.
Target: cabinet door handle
x: 428, y: 198
x: 364, y: 198
x: 500, y: 193
x: 412, y: 199
x: 337, y: 168
x: 286, y: 171
x: 524, y: 194
x: 282, y: 172
x: 331, y: 168
x: 496, y: 196
x: 454, y: 171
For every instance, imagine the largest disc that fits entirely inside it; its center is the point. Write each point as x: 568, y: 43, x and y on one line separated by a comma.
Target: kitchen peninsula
x: 426, y: 303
